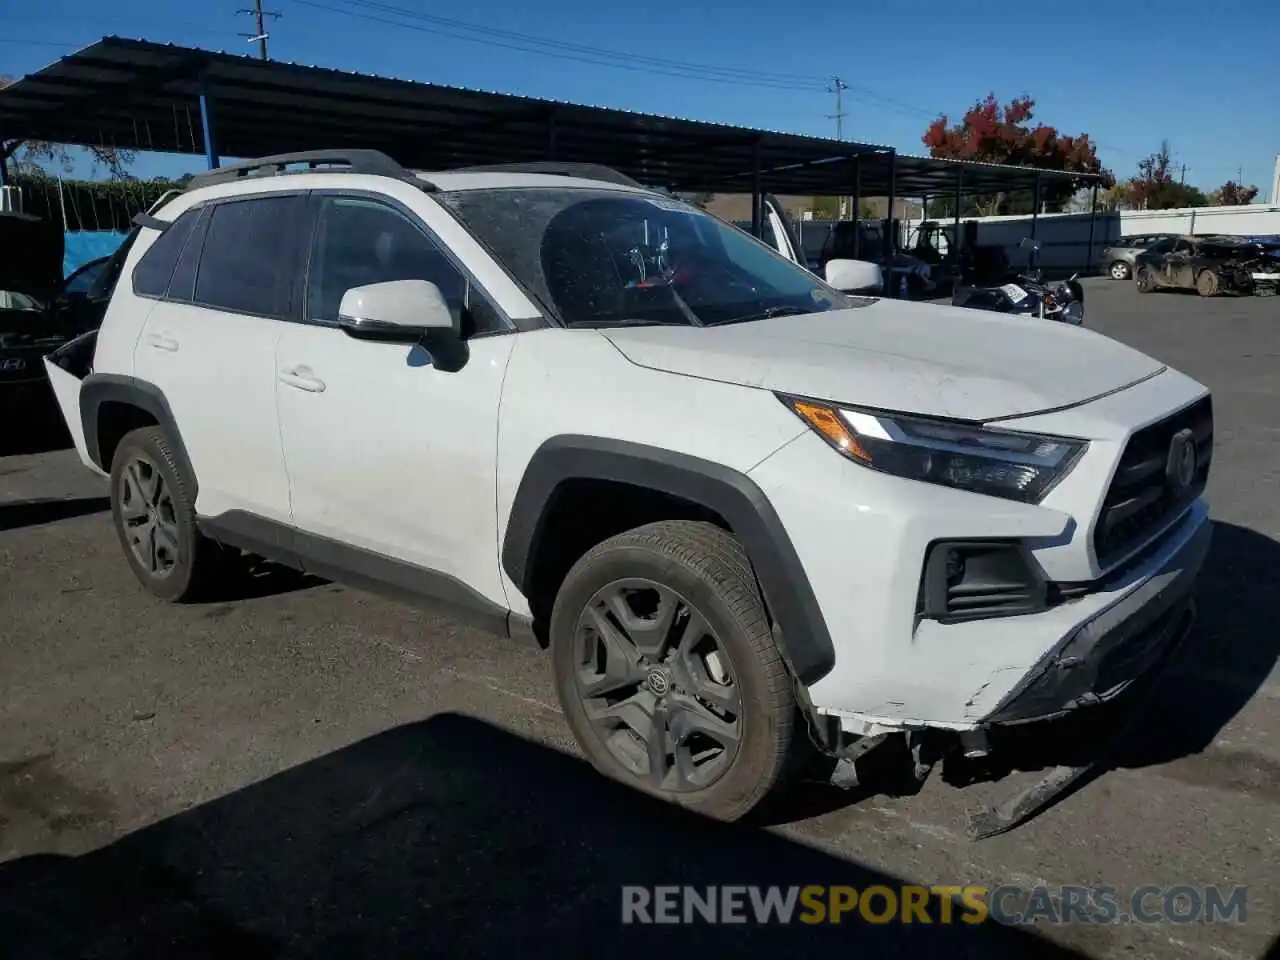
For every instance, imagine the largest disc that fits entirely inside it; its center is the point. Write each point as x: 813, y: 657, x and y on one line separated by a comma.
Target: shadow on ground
x: 448, y: 837
x: 33, y: 513
x: 34, y: 430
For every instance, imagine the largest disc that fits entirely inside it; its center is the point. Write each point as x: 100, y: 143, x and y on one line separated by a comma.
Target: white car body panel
x: 905, y: 357
x: 393, y: 455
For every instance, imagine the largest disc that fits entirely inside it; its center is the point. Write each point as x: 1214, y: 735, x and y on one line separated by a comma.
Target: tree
x: 990, y: 133
x: 1154, y: 188
x: 15, y: 155
x: 1232, y: 194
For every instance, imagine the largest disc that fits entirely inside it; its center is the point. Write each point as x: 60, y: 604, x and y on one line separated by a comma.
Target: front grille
x: 1142, y: 499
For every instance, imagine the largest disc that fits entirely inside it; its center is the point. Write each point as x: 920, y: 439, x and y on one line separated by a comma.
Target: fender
x: 100, y: 388
x: 804, y: 639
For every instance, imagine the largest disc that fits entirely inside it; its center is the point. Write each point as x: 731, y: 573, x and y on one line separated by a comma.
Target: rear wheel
x: 1120, y: 270
x: 667, y: 670
x: 1146, y: 280
x: 1207, y: 283
x: 153, y: 508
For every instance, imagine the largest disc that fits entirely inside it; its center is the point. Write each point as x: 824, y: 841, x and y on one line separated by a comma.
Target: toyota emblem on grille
x: 1181, y: 467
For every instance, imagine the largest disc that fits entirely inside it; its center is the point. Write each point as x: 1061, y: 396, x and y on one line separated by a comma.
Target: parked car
x: 754, y: 518
x: 39, y: 311
x: 1208, y: 265
x: 1119, y: 257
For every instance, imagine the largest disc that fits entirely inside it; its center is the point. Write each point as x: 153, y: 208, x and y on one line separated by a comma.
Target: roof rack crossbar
x: 372, y: 162
x: 586, y: 171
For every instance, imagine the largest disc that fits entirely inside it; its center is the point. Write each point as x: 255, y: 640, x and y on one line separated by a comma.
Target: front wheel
x: 1146, y: 280
x: 667, y: 670
x: 1207, y: 283
x: 1120, y: 270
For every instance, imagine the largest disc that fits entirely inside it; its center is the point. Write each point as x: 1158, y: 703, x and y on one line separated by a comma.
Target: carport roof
x: 141, y: 95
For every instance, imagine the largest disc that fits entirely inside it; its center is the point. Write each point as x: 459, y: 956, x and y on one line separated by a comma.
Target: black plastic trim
x: 100, y: 388
x: 805, y: 640
x: 362, y: 569
x: 1023, y: 591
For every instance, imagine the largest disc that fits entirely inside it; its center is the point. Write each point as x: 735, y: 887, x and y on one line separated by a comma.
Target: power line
x: 261, y: 36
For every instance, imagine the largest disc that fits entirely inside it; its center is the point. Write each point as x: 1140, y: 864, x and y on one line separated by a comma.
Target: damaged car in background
x: 39, y: 311
x: 1208, y: 265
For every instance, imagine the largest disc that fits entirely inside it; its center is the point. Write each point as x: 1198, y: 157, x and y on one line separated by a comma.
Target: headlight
x: 999, y: 463
x: 1073, y: 312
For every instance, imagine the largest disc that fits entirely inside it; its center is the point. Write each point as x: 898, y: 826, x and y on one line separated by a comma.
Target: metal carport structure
x: 141, y: 95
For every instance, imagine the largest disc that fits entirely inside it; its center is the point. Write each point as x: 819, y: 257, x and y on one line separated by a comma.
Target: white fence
x: 1064, y: 237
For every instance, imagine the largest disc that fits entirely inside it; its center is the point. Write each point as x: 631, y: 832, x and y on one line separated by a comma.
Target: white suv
x: 750, y: 515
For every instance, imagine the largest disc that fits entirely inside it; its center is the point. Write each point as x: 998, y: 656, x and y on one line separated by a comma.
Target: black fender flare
x: 804, y: 637
x: 100, y: 388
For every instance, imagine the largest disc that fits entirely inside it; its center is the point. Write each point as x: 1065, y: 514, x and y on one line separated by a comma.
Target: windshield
x: 608, y: 258
x: 12, y: 300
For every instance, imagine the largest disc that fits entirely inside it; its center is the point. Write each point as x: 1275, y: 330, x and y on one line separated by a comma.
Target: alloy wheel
x: 657, y: 685
x: 148, y: 516
x: 1119, y: 271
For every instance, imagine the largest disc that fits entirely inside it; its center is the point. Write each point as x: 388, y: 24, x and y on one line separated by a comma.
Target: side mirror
x: 396, y: 311
x: 854, y: 276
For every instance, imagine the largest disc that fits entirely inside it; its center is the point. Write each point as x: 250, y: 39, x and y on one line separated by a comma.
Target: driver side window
x: 360, y: 241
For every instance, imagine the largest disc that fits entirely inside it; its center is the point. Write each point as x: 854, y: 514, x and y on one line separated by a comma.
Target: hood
x: 31, y: 252
x: 900, y: 356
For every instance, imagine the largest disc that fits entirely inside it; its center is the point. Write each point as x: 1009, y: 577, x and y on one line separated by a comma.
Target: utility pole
x: 261, y: 36
x: 838, y: 87
x: 1183, y: 178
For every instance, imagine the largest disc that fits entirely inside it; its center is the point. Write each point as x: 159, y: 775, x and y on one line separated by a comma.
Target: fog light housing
x: 979, y: 579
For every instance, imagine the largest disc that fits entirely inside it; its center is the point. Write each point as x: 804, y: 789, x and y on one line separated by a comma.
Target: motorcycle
x: 1027, y: 294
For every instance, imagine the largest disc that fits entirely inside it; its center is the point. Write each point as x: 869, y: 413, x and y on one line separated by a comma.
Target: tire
x: 1120, y: 271
x: 172, y: 560
x: 691, y: 570
x: 1146, y: 280
x: 1207, y: 284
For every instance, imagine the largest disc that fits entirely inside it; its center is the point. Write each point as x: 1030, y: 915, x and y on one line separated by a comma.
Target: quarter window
x: 151, y: 275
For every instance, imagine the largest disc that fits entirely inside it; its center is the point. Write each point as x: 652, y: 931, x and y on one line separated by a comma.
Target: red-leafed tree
x: 1232, y: 194
x: 991, y: 133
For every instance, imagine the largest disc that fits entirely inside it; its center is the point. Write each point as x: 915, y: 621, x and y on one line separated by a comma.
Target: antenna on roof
x: 261, y: 36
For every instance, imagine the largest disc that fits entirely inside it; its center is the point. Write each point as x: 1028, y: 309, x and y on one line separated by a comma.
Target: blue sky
x: 1129, y: 73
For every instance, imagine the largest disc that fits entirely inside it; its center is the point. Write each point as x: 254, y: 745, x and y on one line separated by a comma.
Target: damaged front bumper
x: 1107, y: 653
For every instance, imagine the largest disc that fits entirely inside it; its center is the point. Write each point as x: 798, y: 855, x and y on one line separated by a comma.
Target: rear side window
x: 151, y: 275
x: 249, y: 256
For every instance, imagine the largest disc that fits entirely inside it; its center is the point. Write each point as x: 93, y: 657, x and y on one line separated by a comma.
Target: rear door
x: 209, y: 345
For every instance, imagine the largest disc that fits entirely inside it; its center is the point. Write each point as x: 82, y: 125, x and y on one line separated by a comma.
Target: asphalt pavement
x: 307, y: 770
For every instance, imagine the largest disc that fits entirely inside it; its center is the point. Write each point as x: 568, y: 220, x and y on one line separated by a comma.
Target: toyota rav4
x: 751, y: 516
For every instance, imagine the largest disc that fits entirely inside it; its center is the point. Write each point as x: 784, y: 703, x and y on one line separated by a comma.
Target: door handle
x: 301, y: 378
x: 162, y: 342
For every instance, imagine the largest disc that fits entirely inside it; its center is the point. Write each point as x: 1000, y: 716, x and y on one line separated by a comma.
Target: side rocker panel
x: 805, y: 640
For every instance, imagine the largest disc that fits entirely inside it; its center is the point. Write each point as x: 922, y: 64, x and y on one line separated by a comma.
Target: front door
x: 392, y: 448
x: 1177, y: 265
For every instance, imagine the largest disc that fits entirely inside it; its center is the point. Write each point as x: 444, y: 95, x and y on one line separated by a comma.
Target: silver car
x: 1117, y: 259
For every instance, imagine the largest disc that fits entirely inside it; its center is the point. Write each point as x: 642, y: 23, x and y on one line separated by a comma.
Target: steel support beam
x: 757, y: 197
x: 891, y: 235
x: 1093, y: 219
x: 857, y: 207
x: 1035, y: 207
x: 959, y: 195
x: 208, y: 124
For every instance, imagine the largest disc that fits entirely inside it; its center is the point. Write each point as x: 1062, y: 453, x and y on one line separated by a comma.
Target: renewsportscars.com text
x: 943, y: 904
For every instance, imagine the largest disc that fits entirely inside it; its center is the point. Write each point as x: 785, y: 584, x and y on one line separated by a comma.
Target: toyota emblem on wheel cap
x: 1181, y: 467
x: 658, y: 683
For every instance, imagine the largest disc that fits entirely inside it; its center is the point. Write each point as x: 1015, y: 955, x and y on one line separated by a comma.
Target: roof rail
x: 373, y: 162
x: 587, y: 171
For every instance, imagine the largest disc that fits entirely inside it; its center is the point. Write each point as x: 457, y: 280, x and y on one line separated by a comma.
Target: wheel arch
x: 111, y: 405
x: 804, y: 639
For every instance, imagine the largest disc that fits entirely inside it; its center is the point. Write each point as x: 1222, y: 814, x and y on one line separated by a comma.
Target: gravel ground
x: 313, y: 771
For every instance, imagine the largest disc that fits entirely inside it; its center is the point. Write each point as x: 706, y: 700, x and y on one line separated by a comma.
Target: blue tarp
x: 86, y: 245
